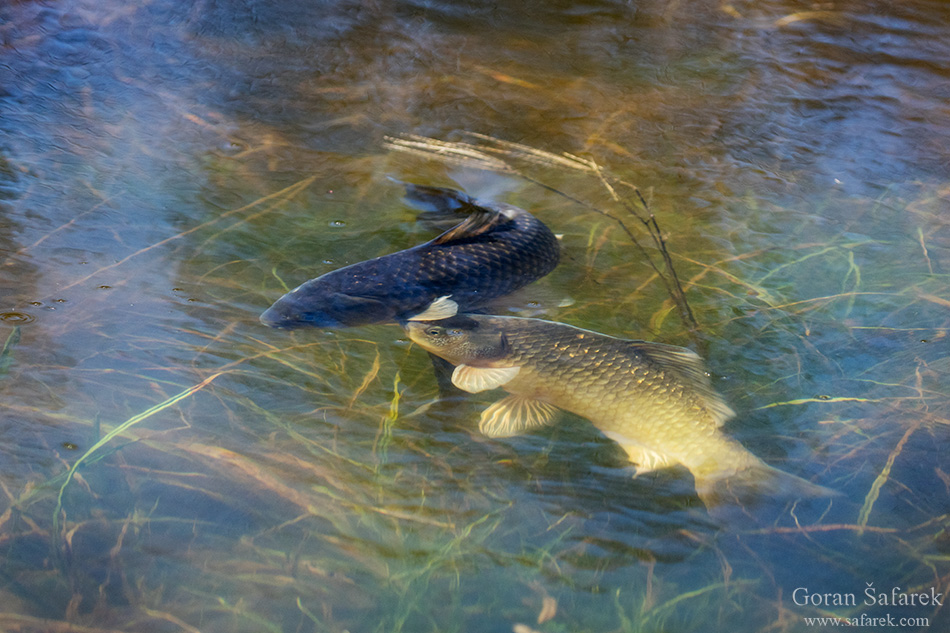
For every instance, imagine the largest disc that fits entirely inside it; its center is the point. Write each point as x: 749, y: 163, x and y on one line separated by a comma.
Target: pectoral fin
x: 515, y: 415
x: 441, y: 308
x: 476, y: 379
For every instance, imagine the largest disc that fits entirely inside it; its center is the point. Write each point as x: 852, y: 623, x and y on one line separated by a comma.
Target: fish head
x: 460, y: 339
x: 314, y: 305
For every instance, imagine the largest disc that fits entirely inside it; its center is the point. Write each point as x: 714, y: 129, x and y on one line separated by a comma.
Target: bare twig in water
x: 487, y: 154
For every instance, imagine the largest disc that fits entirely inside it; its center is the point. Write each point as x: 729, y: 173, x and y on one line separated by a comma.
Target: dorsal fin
x: 689, y: 367
x: 440, y: 202
x: 480, y: 222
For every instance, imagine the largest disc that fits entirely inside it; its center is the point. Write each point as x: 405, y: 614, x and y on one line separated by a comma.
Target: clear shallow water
x: 168, y: 170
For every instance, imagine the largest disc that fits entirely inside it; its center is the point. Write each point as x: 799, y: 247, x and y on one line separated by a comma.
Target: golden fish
x: 655, y: 400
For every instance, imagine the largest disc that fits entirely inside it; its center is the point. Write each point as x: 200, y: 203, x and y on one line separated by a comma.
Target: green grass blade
x: 117, y: 431
x: 6, y: 354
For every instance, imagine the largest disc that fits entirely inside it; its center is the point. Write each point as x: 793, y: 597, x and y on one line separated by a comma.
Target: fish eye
x: 435, y: 330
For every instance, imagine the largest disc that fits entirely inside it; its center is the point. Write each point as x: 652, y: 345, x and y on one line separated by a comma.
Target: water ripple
x: 16, y: 318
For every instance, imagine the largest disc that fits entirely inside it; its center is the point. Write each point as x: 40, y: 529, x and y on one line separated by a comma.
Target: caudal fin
x: 440, y: 202
x: 756, y: 484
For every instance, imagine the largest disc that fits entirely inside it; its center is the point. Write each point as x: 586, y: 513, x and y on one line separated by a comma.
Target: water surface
x: 170, y: 169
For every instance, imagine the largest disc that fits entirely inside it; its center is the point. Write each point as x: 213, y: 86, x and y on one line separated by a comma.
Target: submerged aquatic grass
x: 6, y: 353
x: 116, y: 432
x: 315, y: 485
x: 219, y: 154
x: 484, y: 156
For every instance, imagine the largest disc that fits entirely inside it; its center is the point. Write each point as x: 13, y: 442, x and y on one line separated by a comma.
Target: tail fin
x: 444, y: 207
x: 438, y: 202
x: 756, y: 484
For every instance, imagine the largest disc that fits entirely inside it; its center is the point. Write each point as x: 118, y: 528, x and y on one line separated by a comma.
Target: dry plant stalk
x: 489, y: 154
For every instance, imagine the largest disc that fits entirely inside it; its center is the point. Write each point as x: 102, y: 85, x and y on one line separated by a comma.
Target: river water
x: 169, y: 169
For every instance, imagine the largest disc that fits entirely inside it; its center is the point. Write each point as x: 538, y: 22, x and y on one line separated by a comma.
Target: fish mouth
x: 413, y: 328
x: 277, y: 321
x: 270, y: 318
x: 464, y: 321
x: 281, y: 321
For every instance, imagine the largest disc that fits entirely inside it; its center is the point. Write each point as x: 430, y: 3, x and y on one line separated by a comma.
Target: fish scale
x: 496, y: 250
x: 655, y: 400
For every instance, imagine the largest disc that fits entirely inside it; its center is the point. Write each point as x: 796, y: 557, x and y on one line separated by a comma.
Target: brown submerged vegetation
x: 485, y: 156
x: 171, y: 465
x: 338, y: 491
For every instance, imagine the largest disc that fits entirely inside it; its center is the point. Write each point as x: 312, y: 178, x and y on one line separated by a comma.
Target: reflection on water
x: 168, y: 170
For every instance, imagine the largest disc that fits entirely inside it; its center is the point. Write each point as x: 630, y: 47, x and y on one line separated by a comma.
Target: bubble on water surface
x: 16, y: 318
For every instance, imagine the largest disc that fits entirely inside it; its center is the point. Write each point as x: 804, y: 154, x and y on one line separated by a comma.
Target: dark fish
x: 497, y: 249
x: 655, y: 400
